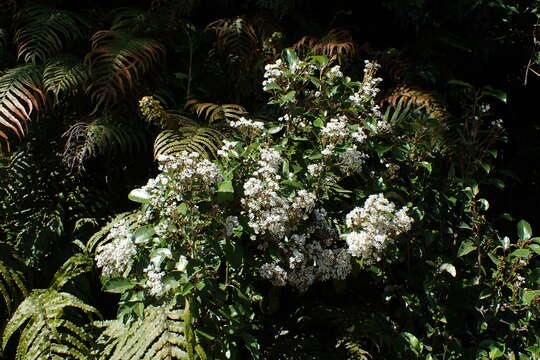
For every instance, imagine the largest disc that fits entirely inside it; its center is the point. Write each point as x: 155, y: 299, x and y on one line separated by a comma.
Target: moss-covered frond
x: 214, y: 112
x: 46, y: 329
x: 43, y: 31
x: 20, y: 96
x: 64, y: 76
x: 117, y: 60
x: 164, y: 333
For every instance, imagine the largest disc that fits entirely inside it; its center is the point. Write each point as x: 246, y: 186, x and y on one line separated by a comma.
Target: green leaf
x: 140, y: 196
x: 415, y: 344
x: 524, y: 230
x: 118, y: 285
x: 521, y: 253
x: 529, y: 296
x: 425, y: 165
x: 143, y: 234
x: 290, y: 57
x: 182, y: 208
x: 289, y: 97
x: 466, y: 247
x: 535, y: 248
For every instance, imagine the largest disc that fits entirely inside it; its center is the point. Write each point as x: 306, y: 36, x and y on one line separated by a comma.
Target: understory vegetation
x: 269, y: 179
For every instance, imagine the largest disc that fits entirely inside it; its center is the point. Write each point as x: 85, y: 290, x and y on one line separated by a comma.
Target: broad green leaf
x: 521, y: 253
x: 118, y: 285
x: 535, y: 248
x: 465, y: 248
x: 529, y: 296
x: 143, y: 234
x: 425, y: 165
x: 139, y: 195
x: 290, y: 57
x: 524, y: 230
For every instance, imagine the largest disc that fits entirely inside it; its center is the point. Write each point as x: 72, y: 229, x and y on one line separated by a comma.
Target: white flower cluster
x: 375, y: 224
x: 336, y: 129
x: 352, y: 160
x: 296, y: 121
x: 267, y: 210
x: 248, y: 126
x: 228, y: 149
x: 313, y: 256
x: 154, y: 280
x: 186, y: 172
x: 334, y: 72
x: 116, y: 257
x: 272, y: 73
x: 231, y: 223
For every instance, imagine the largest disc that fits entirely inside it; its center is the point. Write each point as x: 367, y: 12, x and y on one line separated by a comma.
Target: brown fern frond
x: 117, y: 60
x: 20, y: 95
x: 337, y: 42
x: 42, y: 32
x: 235, y: 36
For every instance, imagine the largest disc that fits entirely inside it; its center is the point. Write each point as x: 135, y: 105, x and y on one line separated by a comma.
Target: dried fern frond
x: 164, y: 333
x: 20, y: 95
x: 117, y: 60
x: 101, y: 137
x: 12, y: 282
x: 64, y: 76
x: 45, y: 330
x: 214, y: 112
x: 337, y: 42
x: 42, y: 32
x: 235, y: 37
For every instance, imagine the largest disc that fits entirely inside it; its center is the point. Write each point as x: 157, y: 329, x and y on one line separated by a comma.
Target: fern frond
x: 101, y: 137
x: 354, y: 350
x: 64, y: 76
x: 12, y: 282
x: 204, y: 140
x: 45, y: 330
x: 76, y: 265
x: 117, y: 60
x: 420, y: 99
x: 213, y: 112
x: 337, y: 42
x: 20, y: 95
x: 162, y: 334
x: 235, y: 37
x: 42, y: 32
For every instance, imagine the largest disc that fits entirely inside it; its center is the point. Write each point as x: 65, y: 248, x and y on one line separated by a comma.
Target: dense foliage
x: 269, y: 180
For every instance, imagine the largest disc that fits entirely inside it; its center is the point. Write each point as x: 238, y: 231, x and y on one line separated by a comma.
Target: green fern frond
x: 101, y: 137
x: 129, y: 219
x: 213, y: 112
x: 63, y: 76
x: 354, y: 350
x: 204, y: 140
x: 162, y: 334
x: 76, y: 265
x: 12, y: 282
x: 45, y: 330
x: 117, y: 60
x: 130, y: 19
x: 20, y: 95
x: 420, y: 99
x: 42, y: 32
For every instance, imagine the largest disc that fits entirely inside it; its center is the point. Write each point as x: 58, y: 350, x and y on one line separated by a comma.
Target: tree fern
x: 20, y: 95
x: 204, y: 140
x: 117, y: 60
x: 46, y: 330
x: 164, y: 333
x: 42, y: 32
x: 337, y: 42
x: 64, y: 76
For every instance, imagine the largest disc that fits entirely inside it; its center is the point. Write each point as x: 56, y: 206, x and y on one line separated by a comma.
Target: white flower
x: 116, y: 257
x: 228, y: 149
x: 314, y: 169
x: 336, y: 128
x: 154, y: 281
x: 182, y: 263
